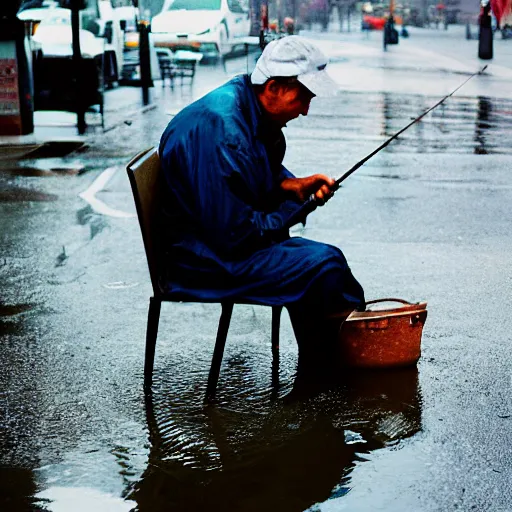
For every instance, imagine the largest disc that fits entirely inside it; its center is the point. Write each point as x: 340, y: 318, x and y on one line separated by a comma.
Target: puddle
x: 10, y: 328
x: 10, y: 325
x: 478, y: 125
x: 97, y: 223
x: 81, y: 499
x: 38, y: 172
x: 56, y: 149
x: 352, y: 437
x: 14, y: 151
x: 67, y: 171
x: 21, y: 195
x: 249, y: 449
x: 14, y: 309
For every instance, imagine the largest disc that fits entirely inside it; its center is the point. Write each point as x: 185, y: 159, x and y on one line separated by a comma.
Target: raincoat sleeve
x: 284, y: 174
x: 233, y: 225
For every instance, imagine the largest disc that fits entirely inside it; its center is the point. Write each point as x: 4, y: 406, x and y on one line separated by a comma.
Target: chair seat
x: 185, y: 297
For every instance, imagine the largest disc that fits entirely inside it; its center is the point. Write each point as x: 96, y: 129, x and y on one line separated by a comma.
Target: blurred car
x: 36, y: 11
x: 371, y: 22
x: 376, y: 15
x: 54, y: 37
x: 212, y: 27
x: 54, y: 72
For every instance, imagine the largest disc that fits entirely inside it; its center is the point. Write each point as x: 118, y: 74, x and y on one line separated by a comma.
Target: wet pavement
x: 426, y: 219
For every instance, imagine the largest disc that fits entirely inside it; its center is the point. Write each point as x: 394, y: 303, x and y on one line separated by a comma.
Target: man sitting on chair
x: 228, y: 202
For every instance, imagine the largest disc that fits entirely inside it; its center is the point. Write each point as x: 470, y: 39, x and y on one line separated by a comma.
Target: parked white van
x: 212, y: 27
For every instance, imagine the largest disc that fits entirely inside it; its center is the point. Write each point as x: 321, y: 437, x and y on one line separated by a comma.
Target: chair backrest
x: 146, y: 182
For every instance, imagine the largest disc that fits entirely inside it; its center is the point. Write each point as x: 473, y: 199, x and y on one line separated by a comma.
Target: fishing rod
x: 354, y: 168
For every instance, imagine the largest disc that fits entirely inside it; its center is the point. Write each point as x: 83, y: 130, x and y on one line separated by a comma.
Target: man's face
x: 290, y: 99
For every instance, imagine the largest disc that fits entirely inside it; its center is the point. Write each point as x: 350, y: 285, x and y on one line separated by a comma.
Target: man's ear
x: 272, y: 87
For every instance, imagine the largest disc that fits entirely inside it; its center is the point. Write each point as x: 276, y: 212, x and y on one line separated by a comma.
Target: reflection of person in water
x: 298, y: 454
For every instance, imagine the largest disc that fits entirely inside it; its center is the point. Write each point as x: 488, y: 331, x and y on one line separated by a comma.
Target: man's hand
x: 318, y: 184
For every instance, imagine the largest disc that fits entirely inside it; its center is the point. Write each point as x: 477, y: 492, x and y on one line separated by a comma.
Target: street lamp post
x: 144, y: 54
x: 76, y: 5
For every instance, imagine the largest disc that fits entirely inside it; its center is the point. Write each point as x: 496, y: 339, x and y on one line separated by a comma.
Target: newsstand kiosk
x: 16, y: 81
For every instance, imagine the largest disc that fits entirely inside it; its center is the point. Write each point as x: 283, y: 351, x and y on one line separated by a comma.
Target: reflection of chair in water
x: 290, y: 454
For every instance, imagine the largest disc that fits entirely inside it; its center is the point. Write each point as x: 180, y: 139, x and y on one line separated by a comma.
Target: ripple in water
x: 257, y: 444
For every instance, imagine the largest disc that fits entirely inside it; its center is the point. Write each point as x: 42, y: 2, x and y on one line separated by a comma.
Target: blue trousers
x: 316, y: 333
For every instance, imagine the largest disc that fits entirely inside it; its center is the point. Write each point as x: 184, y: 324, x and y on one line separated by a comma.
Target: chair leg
x: 218, y: 352
x: 151, y: 335
x: 276, y: 322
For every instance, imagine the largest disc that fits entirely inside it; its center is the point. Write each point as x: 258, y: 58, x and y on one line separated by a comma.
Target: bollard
x: 145, y: 61
x: 390, y: 32
x: 485, y: 37
x: 468, y: 32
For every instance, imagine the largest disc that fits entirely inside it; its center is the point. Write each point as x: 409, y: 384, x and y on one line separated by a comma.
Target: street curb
x: 127, y: 115
x: 14, y: 147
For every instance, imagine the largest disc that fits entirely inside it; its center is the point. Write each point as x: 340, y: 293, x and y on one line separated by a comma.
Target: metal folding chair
x: 145, y: 179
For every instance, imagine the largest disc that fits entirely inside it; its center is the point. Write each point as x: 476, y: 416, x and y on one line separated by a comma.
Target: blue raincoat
x: 224, y: 229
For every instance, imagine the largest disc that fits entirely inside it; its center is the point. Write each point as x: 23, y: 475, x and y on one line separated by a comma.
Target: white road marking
x: 96, y: 204
x: 120, y: 285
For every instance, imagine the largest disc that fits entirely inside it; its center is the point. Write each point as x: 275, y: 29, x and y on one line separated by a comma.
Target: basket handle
x: 390, y: 299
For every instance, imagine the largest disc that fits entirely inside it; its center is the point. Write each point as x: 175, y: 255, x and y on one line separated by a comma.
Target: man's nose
x: 305, y: 109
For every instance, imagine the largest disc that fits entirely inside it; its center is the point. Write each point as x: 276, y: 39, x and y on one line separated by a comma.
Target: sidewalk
x: 445, y: 43
x: 56, y: 131
x: 453, y: 43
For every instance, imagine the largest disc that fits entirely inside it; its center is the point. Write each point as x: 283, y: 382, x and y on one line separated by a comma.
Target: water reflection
x: 478, y: 125
x: 298, y: 452
x: 482, y: 124
x: 18, y: 417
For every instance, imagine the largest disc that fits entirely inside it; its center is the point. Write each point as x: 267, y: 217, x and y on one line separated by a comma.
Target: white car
x: 212, y: 27
x: 101, y: 37
x: 36, y: 14
x: 54, y: 35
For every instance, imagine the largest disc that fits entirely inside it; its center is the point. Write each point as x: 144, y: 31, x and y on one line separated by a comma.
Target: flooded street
x: 428, y: 219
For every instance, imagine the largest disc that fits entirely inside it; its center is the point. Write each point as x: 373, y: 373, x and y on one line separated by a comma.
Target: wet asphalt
x: 428, y: 219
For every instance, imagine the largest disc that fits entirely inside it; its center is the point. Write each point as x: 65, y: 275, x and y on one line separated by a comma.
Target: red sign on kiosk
x: 10, y: 113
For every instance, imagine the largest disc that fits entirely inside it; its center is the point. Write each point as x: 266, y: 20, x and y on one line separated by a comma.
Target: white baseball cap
x: 295, y: 56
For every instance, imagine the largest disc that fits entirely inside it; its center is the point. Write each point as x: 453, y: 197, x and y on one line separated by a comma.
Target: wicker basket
x: 383, y: 338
